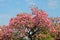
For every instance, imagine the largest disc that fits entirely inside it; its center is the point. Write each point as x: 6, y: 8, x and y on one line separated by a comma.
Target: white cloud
x: 53, y: 4
x: 18, y: 3
x: 5, y: 16
x: 2, y: 0
x: 30, y: 2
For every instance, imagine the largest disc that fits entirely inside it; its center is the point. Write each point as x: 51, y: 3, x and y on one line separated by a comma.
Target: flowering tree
x: 55, y: 29
x: 27, y: 26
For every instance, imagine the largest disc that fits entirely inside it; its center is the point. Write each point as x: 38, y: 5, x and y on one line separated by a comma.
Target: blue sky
x: 10, y: 8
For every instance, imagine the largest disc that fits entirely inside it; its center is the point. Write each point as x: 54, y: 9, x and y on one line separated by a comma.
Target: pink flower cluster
x: 41, y: 17
x: 22, y: 20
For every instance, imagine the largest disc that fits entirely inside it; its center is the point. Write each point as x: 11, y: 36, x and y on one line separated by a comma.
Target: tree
x: 27, y: 25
